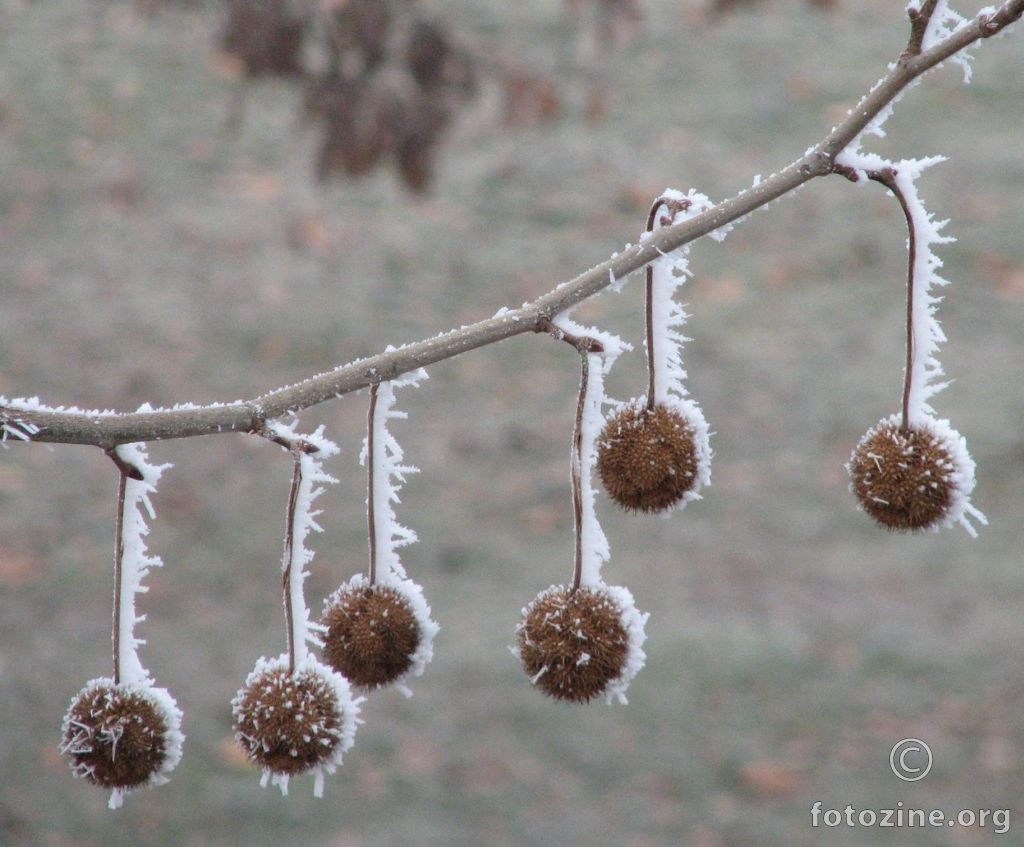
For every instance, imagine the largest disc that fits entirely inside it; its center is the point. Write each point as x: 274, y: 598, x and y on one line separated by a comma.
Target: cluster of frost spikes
x: 668, y: 274
x: 135, y: 564
x: 135, y: 560
x: 943, y: 23
x: 389, y: 472
x: 594, y: 548
x: 298, y: 556
x: 926, y: 333
x: 593, y: 542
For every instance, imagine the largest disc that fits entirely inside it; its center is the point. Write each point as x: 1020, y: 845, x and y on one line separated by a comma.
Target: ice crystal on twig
x: 378, y: 627
x: 654, y: 453
x: 135, y: 559
x: 302, y: 520
x: 584, y: 640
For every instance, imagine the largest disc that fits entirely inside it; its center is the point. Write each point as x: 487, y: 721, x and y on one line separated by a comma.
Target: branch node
x: 987, y: 26
x: 583, y: 343
x: 295, y: 446
x: 126, y: 468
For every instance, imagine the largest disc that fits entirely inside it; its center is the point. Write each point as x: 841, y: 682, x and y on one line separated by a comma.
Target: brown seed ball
x: 648, y: 459
x: 115, y: 736
x: 372, y: 634
x: 573, y: 644
x: 288, y: 723
x: 905, y: 479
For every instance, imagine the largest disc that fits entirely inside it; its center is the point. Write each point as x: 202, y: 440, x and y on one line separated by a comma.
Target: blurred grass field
x: 147, y: 256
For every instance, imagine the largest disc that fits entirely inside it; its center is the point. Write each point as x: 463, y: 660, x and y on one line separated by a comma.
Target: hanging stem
x: 126, y: 470
x: 122, y: 485
x: 577, y: 470
x: 649, y: 312
x: 289, y: 542
x: 888, y: 178
x: 674, y: 205
x: 584, y: 345
x: 371, y: 520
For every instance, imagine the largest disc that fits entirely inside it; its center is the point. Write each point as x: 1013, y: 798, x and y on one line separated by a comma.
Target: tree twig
x: 32, y: 422
x: 289, y: 558
x: 371, y: 517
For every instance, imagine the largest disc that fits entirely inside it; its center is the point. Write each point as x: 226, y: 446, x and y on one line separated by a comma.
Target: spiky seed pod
x: 371, y: 634
x: 578, y: 645
x: 911, y: 479
x: 648, y: 459
x: 121, y: 736
x: 290, y: 723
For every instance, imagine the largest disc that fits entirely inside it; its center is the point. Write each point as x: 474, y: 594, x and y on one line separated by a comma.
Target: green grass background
x: 148, y: 256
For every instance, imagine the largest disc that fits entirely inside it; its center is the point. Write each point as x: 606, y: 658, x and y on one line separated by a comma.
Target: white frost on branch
x: 668, y: 274
x: 297, y: 555
x: 135, y: 559
x: 389, y: 475
x: 927, y: 334
x: 389, y: 472
x: 943, y: 23
x: 136, y: 511
x: 925, y: 331
x: 594, y: 548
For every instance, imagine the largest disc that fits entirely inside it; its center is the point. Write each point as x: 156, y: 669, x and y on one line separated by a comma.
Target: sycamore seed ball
x: 288, y: 723
x: 115, y: 736
x: 573, y: 644
x: 906, y: 479
x: 648, y: 459
x: 372, y: 634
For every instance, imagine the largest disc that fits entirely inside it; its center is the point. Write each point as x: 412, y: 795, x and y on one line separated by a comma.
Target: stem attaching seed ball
x: 289, y: 723
x: 578, y: 645
x: 911, y: 479
x: 372, y: 633
x: 648, y: 459
x: 120, y: 736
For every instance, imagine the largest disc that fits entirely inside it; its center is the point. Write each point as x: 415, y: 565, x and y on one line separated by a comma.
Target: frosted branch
x: 386, y: 472
x: 30, y: 420
x: 132, y: 561
x: 308, y: 452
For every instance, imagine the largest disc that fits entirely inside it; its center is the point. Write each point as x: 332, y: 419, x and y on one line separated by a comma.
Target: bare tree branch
x: 26, y: 421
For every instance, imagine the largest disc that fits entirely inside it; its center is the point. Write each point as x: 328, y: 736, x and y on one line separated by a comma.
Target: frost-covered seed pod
x: 578, y: 645
x: 290, y: 723
x: 911, y: 479
x: 371, y: 634
x: 119, y: 736
x: 648, y: 460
